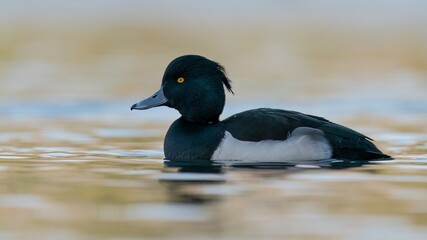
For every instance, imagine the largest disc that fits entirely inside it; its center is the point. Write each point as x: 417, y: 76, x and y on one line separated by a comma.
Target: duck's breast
x: 190, y: 140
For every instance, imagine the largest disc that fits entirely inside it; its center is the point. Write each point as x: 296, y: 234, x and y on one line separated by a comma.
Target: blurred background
x: 369, y: 53
x: 76, y: 163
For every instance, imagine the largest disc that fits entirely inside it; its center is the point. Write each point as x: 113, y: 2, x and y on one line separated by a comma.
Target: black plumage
x: 200, y: 97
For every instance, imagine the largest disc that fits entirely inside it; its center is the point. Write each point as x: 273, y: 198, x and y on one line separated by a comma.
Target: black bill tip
x: 133, y: 107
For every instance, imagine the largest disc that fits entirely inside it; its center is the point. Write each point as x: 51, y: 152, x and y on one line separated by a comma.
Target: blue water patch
x: 105, y: 110
x: 117, y: 109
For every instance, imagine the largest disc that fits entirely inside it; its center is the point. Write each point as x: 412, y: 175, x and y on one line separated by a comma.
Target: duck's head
x: 193, y: 85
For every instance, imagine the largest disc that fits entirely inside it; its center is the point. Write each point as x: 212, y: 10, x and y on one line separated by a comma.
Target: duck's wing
x: 275, y: 124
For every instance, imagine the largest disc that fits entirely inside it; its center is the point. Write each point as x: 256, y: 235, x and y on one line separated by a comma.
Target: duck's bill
x: 156, y: 100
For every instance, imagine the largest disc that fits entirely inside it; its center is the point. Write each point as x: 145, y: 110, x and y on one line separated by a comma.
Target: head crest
x: 186, y: 64
x: 225, y: 80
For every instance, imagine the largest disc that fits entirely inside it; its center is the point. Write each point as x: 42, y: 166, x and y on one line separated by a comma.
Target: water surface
x: 83, y: 174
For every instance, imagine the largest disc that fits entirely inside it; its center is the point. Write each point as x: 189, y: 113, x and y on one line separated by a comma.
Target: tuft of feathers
x: 225, y: 80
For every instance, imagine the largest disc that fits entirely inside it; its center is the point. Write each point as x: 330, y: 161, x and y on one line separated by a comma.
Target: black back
x: 275, y: 124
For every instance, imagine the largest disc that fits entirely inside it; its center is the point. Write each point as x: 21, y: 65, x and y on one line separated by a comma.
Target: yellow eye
x: 180, y: 80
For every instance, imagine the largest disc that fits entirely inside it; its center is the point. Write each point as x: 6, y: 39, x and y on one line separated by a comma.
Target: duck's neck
x: 203, y: 111
x: 210, y: 120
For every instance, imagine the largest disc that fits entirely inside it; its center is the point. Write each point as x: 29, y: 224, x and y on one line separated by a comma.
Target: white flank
x: 303, y: 144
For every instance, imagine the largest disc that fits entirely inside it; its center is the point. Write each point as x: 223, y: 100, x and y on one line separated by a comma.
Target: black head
x: 194, y: 85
